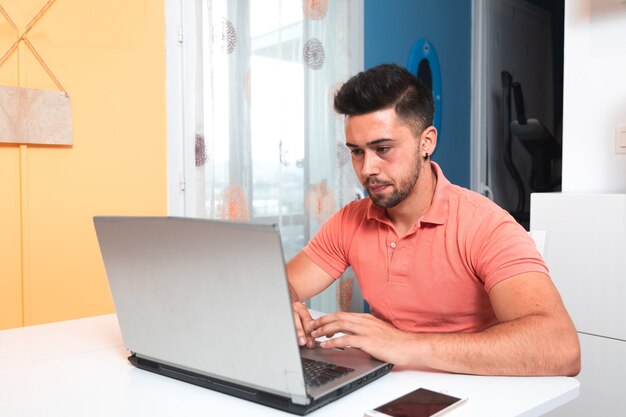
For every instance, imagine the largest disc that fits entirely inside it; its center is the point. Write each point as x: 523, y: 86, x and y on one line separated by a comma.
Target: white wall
x: 594, y: 95
x: 594, y: 105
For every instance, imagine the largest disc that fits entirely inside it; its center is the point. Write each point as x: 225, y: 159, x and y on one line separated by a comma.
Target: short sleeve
x: 505, y: 249
x: 329, y: 247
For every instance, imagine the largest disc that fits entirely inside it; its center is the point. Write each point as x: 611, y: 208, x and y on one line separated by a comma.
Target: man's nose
x: 370, y: 165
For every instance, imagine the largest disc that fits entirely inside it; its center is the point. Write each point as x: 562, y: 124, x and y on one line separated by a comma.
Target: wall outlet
x: 620, y: 139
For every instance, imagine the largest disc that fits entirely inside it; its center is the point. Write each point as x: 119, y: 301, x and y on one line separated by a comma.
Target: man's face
x: 385, y: 156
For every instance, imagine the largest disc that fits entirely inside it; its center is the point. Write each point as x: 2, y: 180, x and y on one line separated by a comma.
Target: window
x: 250, y: 92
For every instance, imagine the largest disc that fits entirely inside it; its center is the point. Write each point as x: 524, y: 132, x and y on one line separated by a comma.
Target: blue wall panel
x: 391, y: 29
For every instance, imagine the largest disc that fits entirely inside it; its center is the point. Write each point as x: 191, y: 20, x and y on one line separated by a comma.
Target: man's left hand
x: 363, y: 331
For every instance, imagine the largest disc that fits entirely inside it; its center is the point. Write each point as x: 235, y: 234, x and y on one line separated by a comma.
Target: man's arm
x: 535, y: 335
x: 306, y: 279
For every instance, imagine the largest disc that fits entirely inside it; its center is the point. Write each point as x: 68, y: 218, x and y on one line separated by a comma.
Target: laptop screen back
x: 204, y: 295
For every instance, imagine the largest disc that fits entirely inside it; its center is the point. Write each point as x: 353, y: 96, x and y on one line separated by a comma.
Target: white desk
x: 79, y: 368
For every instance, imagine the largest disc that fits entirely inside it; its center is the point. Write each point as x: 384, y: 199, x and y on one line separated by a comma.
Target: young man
x: 454, y: 283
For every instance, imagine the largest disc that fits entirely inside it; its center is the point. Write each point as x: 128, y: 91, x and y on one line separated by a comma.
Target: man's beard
x: 400, y: 192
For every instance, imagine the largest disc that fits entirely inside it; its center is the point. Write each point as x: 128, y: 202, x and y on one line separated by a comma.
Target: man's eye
x: 356, y: 152
x: 383, y: 149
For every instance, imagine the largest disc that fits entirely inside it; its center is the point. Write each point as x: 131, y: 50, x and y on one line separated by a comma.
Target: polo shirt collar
x: 438, y: 211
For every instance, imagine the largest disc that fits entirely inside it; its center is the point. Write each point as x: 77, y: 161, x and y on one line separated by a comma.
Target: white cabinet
x: 601, y: 380
x: 585, y: 248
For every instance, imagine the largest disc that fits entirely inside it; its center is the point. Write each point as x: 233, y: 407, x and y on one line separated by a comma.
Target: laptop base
x: 247, y: 393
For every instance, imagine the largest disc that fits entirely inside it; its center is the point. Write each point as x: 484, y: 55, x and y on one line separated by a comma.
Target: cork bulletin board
x: 32, y: 116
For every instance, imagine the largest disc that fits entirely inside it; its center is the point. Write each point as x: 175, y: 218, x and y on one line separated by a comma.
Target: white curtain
x: 269, y: 147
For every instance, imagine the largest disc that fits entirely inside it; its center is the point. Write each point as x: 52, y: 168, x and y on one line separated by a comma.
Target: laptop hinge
x: 296, y: 388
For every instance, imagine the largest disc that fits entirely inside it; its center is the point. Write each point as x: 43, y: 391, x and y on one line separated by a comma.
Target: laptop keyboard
x: 317, y: 373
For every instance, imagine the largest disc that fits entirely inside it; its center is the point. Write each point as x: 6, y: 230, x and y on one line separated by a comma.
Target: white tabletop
x: 80, y: 368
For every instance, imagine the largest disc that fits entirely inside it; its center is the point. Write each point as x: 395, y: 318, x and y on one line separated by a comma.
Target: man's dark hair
x: 383, y: 87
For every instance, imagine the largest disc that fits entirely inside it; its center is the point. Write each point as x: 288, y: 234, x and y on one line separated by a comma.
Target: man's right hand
x: 303, y: 321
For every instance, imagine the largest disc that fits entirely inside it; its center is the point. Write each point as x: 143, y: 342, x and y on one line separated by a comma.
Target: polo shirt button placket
x: 393, y: 245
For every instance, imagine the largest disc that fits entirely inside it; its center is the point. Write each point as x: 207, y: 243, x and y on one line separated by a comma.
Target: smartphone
x: 419, y: 403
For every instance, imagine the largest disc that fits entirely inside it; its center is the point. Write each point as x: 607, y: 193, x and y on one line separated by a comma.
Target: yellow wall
x: 110, y: 57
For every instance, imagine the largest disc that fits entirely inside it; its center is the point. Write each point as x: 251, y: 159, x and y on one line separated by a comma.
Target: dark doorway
x: 524, y: 101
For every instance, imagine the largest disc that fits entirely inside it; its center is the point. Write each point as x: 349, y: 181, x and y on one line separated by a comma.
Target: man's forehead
x: 372, y: 129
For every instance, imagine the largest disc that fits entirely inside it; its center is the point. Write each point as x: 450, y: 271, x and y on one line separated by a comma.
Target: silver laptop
x: 207, y: 302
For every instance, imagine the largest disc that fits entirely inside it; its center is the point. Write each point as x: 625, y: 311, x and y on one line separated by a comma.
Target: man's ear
x: 428, y: 140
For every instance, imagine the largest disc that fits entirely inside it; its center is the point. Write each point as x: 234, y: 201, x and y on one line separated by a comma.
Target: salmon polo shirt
x: 437, y: 278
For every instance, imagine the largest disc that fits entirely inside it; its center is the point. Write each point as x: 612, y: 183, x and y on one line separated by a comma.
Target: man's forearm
x: 525, y: 346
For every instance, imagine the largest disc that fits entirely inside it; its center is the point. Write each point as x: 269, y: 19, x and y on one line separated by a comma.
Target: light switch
x: 620, y: 139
